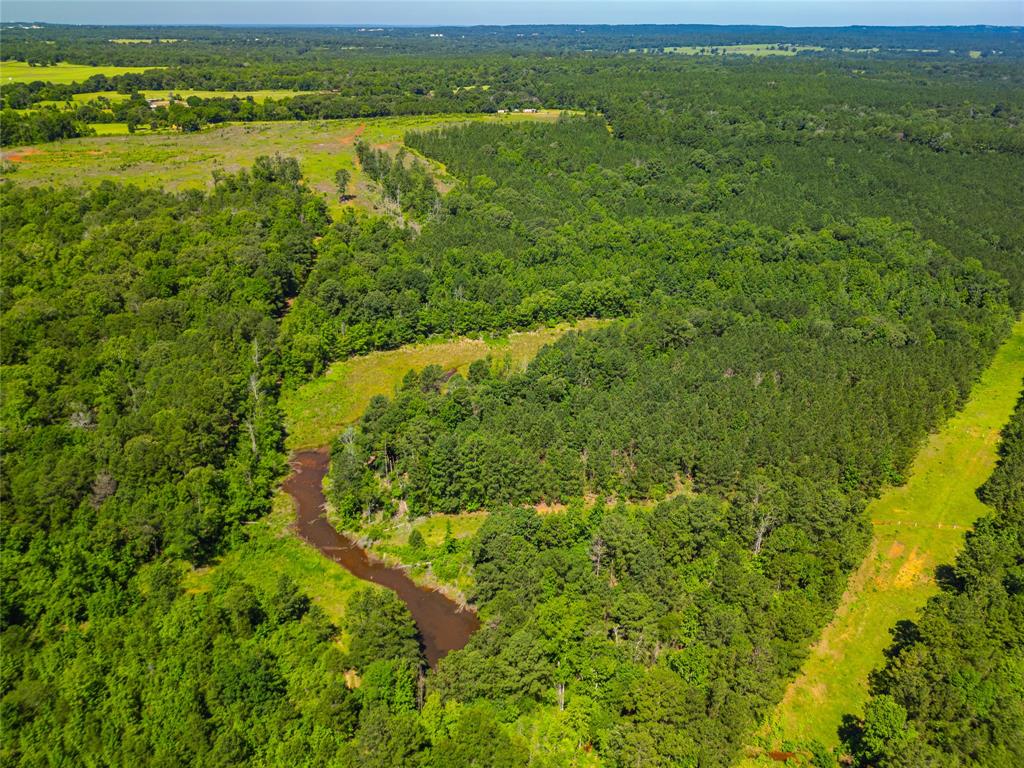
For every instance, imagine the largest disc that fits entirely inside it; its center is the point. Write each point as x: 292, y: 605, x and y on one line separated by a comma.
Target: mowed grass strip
x: 318, y: 411
x: 917, y: 527
x: 61, y: 73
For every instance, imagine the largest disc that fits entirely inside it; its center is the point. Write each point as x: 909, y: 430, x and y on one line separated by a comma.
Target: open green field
x: 180, y: 161
x: 917, y: 527
x: 272, y: 550
x: 316, y: 412
x: 110, y: 129
x: 62, y: 74
x: 142, y: 40
x: 749, y: 49
x: 114, y: 97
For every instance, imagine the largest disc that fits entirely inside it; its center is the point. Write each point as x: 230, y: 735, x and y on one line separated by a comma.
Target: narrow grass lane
x: 917, y: 527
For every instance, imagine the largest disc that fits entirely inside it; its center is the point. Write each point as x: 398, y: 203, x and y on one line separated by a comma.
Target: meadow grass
x: 316, y: 412
x: 78, y: 99
x: 917, y: 527
x: 272, y: 550
x: 62, y: 73
x: 142, y: 40
x: 110, y: 129
x: 746, y: 49
x: 388, y: 540
x: 173, y: 161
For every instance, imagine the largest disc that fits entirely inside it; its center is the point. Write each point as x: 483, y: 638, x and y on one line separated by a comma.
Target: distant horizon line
x: 470, y: 25
x: 505, y: 13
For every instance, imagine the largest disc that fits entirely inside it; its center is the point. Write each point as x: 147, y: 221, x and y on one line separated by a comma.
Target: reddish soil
x: 351, y: 138
x: 22, y: 154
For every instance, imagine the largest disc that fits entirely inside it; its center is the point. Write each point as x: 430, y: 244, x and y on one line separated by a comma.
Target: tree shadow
x: 850, y: 733
x: 946, y: 578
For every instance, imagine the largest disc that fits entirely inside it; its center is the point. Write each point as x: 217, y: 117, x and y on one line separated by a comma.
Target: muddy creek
x: 443, y: 624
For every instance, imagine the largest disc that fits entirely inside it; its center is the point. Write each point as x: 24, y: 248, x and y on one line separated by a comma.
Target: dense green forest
x: 950, y: 693
x: 805, y: 263
x: 778, y: 408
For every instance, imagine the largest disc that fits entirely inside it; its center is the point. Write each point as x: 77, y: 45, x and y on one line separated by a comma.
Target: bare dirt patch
x: 350, y: 139
x: 21, y: 155
x: 911, y: 570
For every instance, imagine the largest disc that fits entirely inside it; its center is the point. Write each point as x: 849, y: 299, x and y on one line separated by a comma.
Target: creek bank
x: 443, y: 624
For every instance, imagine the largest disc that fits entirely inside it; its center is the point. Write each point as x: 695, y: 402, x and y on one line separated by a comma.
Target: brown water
x: 443, y: 624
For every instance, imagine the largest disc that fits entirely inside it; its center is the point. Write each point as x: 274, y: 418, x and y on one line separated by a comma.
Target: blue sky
x: 427, y: 12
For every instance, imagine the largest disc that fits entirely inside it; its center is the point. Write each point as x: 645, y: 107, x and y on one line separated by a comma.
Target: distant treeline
x: 204, y: 46
x: 952, y: 107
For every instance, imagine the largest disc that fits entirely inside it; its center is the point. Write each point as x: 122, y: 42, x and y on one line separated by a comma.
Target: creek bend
x: 443, y: 625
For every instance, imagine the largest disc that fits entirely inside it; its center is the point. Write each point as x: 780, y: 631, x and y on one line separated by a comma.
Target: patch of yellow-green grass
x: 176, y: 161
x: 62, y: 73
x: 316, y: 412
x: 110, y: 129
x: 917, y: 527
x: 447, y: 572
x: 746, y: 49
x: 113, y: 97
x: 273, y: 549
x: 434, y: 528
x: 142, y: 40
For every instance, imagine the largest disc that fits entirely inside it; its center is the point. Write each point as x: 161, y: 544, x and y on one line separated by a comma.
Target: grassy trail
x: 917, y: 527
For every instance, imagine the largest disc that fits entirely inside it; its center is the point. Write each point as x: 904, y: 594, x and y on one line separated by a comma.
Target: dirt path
x: 917, y: 527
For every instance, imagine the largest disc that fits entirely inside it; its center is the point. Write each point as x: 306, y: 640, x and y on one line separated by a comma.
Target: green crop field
x: 63, y: 73
x: 318, y: 411
x: 917, y: 527
x: 180, y: 161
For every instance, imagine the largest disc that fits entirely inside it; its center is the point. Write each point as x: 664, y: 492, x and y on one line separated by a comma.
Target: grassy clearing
x: 114, y: 97
x: 917, y: 527
x: 62, y: 73
x: 110, y: 129
x: 316, y: 412
x: 142, y: 41
x: 747, y: 49
x: 448, y: 571
x: 272, y: 550
x: 181, y: 161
